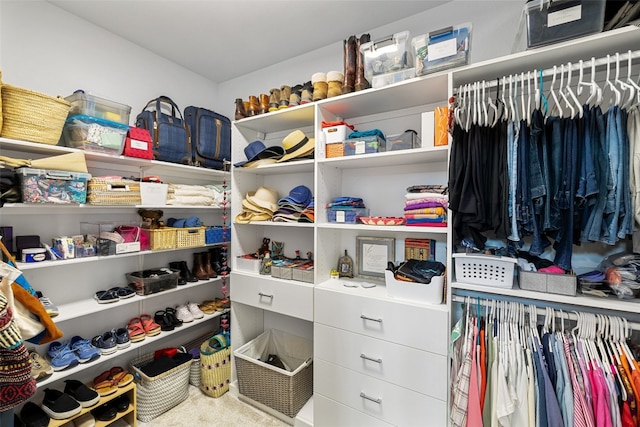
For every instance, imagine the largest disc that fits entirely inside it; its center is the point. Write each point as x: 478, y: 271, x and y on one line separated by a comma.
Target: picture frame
x: 373, y: 255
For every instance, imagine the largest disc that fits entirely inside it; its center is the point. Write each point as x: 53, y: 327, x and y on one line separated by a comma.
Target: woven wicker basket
x: 190, y: 237
x: 215, y: 371
x: 156, y: 395
x: 162, y: 238
x: 32, y: 116
x: 0, y: 102
x: 286, y: 392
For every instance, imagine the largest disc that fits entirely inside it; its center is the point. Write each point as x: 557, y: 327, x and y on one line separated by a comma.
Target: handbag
x: 210, y: 137
x: 132, y: 233
x: 215, y: 366
x: 169, y: 132
x: 138, y: 144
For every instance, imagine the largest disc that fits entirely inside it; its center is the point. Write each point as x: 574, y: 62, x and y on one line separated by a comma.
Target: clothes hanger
x: 595, y: 92
x: 552, y: 93
x: 457, y: 110
x: 572, y: 95
x: 522, y: 94
x: 494, y: 104
x: 529, y: 100
x: 516, y: 112
x: 470, y: 101
x: 609, y: 84
x: 623, y: 85
x: 562, y: 93
x: 484, y: 105
x: 505, y: 106
x: 634, y: 88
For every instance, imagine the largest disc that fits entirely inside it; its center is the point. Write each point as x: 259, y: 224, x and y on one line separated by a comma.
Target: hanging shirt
x: 580, y: 412
x: 474, y: 413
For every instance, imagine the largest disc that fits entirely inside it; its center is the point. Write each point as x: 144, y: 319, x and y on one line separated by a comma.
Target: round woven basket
x: 32, y: 116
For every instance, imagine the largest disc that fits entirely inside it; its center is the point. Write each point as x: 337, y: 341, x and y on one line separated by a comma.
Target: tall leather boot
x: 199, y: 269
x: 361, y: 81
x: 206, y: 260
x: 185, y: 273
x: 240, y: 111
x: 350, y: 60
x: 216, y: 263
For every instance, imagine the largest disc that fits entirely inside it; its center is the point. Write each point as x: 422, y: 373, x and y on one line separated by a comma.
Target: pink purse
x: 132, y: 233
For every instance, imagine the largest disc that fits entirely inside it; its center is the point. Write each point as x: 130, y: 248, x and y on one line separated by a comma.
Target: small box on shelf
x: 348, y: 216
x: 430, y: 293
x: 364, y: 145
x: 91, y: 105
x: 403, y: 141
x: 145, y: 284
x: 248, y: 263
x: 562, y: 284
x: 52, y: 186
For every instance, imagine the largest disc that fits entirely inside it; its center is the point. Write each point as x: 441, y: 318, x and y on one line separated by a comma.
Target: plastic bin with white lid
x: 94, y: 106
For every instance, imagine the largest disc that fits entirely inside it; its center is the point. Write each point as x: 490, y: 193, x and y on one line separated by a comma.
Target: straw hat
x: 263, y: 197
x: 296, y: 144
x: 256, y: 150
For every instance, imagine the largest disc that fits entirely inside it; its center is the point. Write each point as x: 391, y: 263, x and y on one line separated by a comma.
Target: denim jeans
x: 555, y: 131
x: 566, y: 193
x: 613, y: 199
x: 588, y: 184
x: 512, y: 159
x: 626, y: 210
x: 600, y: 154
x: 538, y: 172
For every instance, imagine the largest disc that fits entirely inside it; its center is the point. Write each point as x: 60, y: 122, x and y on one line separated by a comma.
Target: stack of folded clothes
x: 308, y: 214
x: 426, y: 205
x: 290, y: 208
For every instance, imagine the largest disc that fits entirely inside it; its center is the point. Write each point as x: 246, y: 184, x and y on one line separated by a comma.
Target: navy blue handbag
x: 210, y: 137
x: 169, y: 131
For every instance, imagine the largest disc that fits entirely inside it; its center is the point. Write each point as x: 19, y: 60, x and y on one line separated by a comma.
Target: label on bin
x: 139, y: 145
x: 442, y: 50
x: 563, y: 16
x: 340, y: 216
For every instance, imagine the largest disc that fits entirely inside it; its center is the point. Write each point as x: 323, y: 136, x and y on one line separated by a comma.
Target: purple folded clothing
x: 408, y: 207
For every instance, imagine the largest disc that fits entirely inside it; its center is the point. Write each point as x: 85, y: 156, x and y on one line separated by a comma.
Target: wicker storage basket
x: 284, y: 391
x: 32, y: 116
x: 0, y: 102
x: 162, y: 238
x: 156, y: 395
x: 190, y: 237
x: 215, y: 368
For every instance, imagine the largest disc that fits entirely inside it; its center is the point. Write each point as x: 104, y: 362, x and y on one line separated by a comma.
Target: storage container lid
x: 94, y: 120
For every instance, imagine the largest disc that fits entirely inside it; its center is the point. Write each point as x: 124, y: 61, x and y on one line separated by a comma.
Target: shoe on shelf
x: 120, y: 376
x: 106, y: 297
x: 81, y: 393
x: 123, y: 293
x: 50, y: 308
x: 105, y: 412
x: 59, y: 405
x: 135, y: 330
x: 40, y: 368
x: 162, y: 319
x: 150, y: 327
x: 61, y: 356
x: 83, y: 348
x: 32, y: 415
x: 122, y: 338
x: 195, y: 310
x: 171, y: 314
x: 121, y: 403
x: 183, y: 313
x: 84, y: 420
x: 105, y: 342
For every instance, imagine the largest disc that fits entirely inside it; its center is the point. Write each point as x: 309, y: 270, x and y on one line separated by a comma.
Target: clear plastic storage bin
x: 94, y: 134
x: 386, y: 55
x: 445, y: 48
x: 90, y: 105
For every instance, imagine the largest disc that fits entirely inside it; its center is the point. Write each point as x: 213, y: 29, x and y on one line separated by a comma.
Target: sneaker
x: 40, y: 368
x: 33, y: 415
x: 50, y: 308
x: 183, y: 313
x: 106, y: 342
x: 59, y: 405
x: 85, y: 351
x: 61, y: 356
x: 195, y: 310
x: 122, y: 338
x: 81, y: 393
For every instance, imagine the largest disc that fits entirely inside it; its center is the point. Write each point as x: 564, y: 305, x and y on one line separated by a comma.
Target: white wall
x: 495, y: 28
x: 46, y: 49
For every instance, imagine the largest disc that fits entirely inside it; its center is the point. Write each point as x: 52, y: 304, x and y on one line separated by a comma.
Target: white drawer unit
x: 383, y: 360
x: 420, y: 326
x: 329, y: 413
x: 288, y: 298
x: 391, y: 403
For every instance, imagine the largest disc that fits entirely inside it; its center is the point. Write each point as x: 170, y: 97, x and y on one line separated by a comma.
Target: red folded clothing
x: 332, y: 124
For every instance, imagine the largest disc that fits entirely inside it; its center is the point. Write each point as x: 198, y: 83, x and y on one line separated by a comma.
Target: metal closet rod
x: 575, y: 66
x: 539, y: 310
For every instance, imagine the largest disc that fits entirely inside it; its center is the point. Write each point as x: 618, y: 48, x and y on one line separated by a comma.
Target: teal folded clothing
x: 373, y: 132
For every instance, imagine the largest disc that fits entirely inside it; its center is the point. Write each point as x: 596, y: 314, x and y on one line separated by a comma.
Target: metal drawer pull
x: 265, y: 295
x: 364, y: 356
x: 378, y: 400
x: 362, y: 316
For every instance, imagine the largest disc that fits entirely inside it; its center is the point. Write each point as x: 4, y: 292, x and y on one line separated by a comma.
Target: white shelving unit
x: 380, y: 179
x: 71, y: 284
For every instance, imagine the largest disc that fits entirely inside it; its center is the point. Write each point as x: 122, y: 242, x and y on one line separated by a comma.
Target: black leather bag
x: 210, y: 137
x: 10, y: 191
x: 169, y: 131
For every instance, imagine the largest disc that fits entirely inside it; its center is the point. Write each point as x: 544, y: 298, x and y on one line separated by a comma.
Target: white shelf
x: 389, y: 228
x: 70, y: 372
x: 113, y: 161
x: 391, y: 158
x: 297, y: 166
x: 44, y: 208
x: 281, y: 120
x: 578, y: 300
x: 87, y: 307
x: 277, y: 224
x: 67, y: 262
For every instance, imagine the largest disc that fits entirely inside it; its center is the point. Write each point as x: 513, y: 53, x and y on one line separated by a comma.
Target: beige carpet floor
x: 202, y: 410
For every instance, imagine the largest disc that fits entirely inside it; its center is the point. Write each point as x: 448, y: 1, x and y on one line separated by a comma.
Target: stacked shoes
x: 290, y: 208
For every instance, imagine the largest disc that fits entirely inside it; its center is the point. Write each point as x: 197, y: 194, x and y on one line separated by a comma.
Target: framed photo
x: 373, y: 254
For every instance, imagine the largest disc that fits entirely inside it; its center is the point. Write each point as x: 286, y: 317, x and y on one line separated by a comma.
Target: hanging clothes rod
x: 575, y: 66
x: 569, y: 314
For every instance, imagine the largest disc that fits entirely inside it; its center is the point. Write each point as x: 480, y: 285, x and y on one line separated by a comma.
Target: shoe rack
x: 129, y: 415
x: 71, y: 284
x: 358, y: 332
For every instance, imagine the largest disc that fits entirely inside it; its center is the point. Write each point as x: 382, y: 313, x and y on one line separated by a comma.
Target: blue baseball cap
x: 256, y: 150
x: 300, y: 195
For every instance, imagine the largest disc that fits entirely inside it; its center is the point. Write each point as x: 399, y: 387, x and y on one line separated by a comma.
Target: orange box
x: 334, y: 150
x: 441, y: 120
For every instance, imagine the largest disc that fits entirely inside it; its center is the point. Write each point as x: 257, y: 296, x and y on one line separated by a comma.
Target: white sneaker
x: 195, y: 310
x: 183, y: 313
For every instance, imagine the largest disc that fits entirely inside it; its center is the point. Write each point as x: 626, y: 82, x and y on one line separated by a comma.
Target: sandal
x: 162, y: 318
x: 120, y: 377
x: 135, y: 329
x: 151, y: 328
x: 207, y: 306
x: 172, y: 315
x: 103, y: 384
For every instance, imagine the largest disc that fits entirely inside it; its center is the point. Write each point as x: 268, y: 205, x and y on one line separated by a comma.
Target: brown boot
x: 254, y: 106
x: 240, y: 111
x: 361, y: 82
x: 349, y: 64
x: 199, y: 270
x: 206, y: 259
x: 274, y: 99
x: 335, y: 80
x: 264, y: 103
x: 285, y: 94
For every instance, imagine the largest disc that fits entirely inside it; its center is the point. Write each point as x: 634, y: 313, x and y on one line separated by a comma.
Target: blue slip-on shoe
x: 83, y: 348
